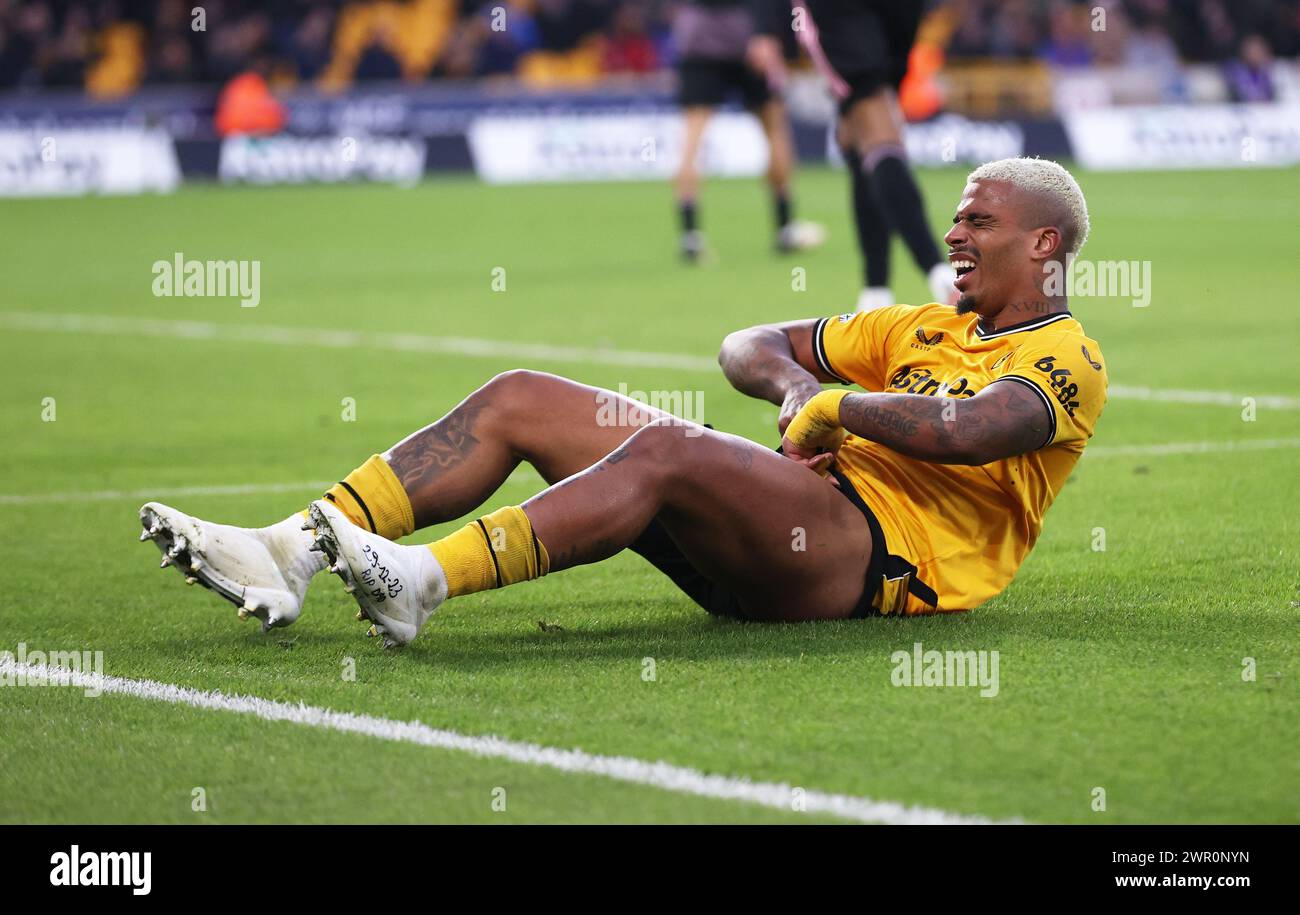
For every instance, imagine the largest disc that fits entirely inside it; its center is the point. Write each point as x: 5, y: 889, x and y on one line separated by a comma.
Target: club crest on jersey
x: 925, y: 341
x: 1001, y: 359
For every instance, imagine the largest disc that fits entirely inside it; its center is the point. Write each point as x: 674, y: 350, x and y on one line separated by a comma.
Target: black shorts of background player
x: 733, y: 50
x: 862, y: 48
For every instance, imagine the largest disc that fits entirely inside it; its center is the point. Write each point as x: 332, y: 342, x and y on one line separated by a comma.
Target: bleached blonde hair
x: 1057, y: 197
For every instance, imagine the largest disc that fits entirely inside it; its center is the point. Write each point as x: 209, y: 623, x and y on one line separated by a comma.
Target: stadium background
x: 431, y: 202
x: 592, y: 79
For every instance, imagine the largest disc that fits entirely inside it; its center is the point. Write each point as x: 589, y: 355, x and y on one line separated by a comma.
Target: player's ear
x: 1047, y: 242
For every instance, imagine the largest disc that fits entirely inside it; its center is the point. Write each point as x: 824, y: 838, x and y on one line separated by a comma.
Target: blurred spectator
x: 23, y: 36
x: 1015, y: 31
x: 630, y: 49
x: 65, y: 64
x: 172, y: 61
x: 1249, y: 77
x: 379, y: 59
x: 971, y: 36
x: 309, y: 43
x: 233, y: 43
x: 489, y: 41
x: 1067, y: 42
x: 563, y: 24
x: 1210, y: 35
x: 172, y: 56
x: 1151, y: 47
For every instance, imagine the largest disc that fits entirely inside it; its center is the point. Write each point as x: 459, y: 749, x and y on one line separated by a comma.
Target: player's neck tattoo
x: 1027, y: 310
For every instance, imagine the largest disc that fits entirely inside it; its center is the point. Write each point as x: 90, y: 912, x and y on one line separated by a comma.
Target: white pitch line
x: 528, y: 475
x: 661, y: 775
x: 1214, y: 398
x: 496, y: 349
x: 110, y: 495
x: 519, y: 475
x: 346, y: 339
x: 1256, y: 444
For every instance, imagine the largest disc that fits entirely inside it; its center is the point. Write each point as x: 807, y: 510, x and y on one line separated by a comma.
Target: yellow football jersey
x: 955, y: 534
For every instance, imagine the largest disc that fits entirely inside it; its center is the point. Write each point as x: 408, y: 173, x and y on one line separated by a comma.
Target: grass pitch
x: 1121, y: 669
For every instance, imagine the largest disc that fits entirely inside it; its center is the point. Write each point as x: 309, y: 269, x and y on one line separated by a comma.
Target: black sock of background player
x: 781, y: 204
x: 688, y: 215
x: 872, y: 225
x: 900, y: 198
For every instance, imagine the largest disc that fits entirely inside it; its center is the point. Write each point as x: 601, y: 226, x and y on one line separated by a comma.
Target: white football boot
x: 262, y: 571
x: 398, y: 587
x: 692, y: 246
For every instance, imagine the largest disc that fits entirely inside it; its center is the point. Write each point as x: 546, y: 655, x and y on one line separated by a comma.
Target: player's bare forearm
x: 760, y: 362
x: 773, y: 362
x: 1002, y: 421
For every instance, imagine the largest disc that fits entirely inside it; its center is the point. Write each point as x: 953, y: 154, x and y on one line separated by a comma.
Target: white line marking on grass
x: 496, y: 349
x: 1215, y: 398
x: 662, y: 775
x: 1257, y: 444
x: 109, y: 495
x: 528, y: 475
x: 519, y: 475
x: 346, y: 339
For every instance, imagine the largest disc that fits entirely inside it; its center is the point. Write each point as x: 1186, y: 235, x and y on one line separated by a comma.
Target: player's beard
x: 966, y: 304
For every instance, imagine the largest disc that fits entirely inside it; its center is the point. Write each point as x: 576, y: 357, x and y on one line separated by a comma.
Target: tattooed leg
x: 452, y: 466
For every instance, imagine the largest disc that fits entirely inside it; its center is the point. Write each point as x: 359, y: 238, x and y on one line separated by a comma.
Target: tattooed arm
x: 774, y: 362
x: 1001, y: 421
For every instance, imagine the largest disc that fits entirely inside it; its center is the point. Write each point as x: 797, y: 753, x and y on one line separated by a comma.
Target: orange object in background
x: 919, y: 95
x: 246, y: 106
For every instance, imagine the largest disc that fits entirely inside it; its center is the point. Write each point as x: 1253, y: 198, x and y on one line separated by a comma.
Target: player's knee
x: 514, y: 380
x: 666, y: 442
x: 670, y: 447
x: 516, y: 387
x: 512, y: 395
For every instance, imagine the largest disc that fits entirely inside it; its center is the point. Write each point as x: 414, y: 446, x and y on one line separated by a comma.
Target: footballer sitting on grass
x: 923, y: 497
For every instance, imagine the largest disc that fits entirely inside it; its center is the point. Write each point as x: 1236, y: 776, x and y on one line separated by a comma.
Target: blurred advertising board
x: 609, y: 147
x: 286, y: 159
x: 62, y: 162
x: 1186, y: 136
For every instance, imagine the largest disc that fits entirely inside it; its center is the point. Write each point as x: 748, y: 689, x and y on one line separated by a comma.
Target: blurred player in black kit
x: 734, y: 48
x: 862, y: 47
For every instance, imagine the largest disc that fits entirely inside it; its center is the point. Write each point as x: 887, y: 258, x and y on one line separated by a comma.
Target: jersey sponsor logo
x: 1065, y: 389
x: 925, y: 341
x: 1086, y: 355
x: 908, y: 380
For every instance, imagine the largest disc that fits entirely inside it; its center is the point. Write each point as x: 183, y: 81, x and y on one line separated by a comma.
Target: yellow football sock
x: 373, y: 498
x: 496, y: 550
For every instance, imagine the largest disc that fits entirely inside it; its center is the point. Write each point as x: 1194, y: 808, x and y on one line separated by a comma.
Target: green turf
x: 1119, y: 669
